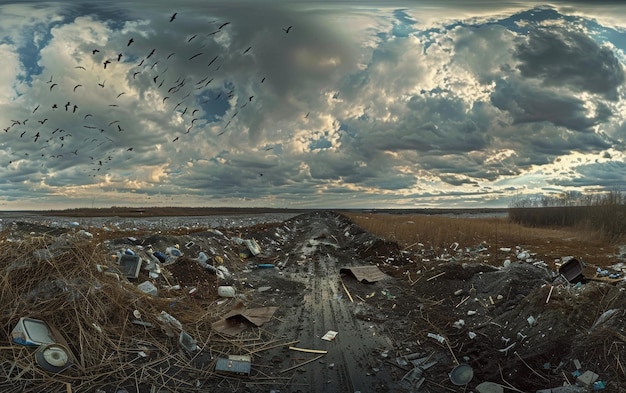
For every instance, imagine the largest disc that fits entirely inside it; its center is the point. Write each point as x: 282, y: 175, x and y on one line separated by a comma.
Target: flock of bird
x: 94, y: 137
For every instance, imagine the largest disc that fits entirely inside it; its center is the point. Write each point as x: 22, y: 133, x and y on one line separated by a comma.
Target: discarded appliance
x: 572, y: 270
x: 234, y: 364
x: 462, y: 374
x: 53, y: 357
x: 148, y: 288
x: 130, y: 265
x: 366, y: 274
x: 32, y: 332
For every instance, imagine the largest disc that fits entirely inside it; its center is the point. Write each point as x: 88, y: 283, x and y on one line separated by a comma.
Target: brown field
x: 440, y: 232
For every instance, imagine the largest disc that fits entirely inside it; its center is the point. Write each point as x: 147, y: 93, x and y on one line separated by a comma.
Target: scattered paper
x: 330, y: 335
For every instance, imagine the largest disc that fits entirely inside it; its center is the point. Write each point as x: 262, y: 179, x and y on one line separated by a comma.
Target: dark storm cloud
x: 563, y: 57
x: 528, y: 103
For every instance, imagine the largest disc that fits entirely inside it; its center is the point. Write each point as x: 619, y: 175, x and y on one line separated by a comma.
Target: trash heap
x: 85, y: 313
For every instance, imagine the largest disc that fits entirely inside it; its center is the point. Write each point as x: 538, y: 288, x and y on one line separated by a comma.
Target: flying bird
x: 212, y: 61
x: 194, y: 56
x: 81, y: 67
x: 76, y: 87
x: 250, y: 98
x: 129, y: 149
x: 93, y: 52
x: 119, y: 95
x: 135, y: 74
x: 54, y: 106
x: 170, y: 55
x: 175, y: 139
x: 287, y: 29
x: 105, y: 63
x: 165, y: 98
x: 75, y: 107
x: 42, y: 121
x: 263, y: 80
x: 192, y: 37
x: 87, y: 115
x: 247, y: 50
x: 223, y: 25
x: 101, y: 84
x: 36, y: 136
x: 34, y: 110
x: 66, y: 105
x: 113, y: 122
x: 141, y: 62
x: 52, y: 85
x: 173, y: 16
x: 150, y: 54
x: 119, y: 56
x: 119, y: 129
x: 50, y: 81
x: 130, y: 42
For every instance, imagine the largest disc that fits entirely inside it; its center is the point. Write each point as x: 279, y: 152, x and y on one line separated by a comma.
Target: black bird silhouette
x: 193, y: 113
x: 155, y: 78
x: 93, y: 52
x: 113, y: 122
x: 192, y: 37
x: 130, y: 42
x: 34, y: 110
x: 263, y: 80
x: 287, y: 29
x: 175, y: 139
x: 173, y: 16
x: 50, y: 81
x: 81, y: 67
x: 247, y: 50
x: 101, y: 84
x: 105, y: 63
x: 52, y: 85
x: 87, y: 115
x: 36, y: 136
x: 212, y: 61
x: 155, y: 63
x: 170, y: 55
x: 22, y: 134
x: 75, y: 107
x: 76, y: 87
x: 223, y: 25
x: 135, y: 74
x: 194, y: 56
x: 119, y: 95
x: 141, y: 62
x: 66, y: 105
x: 307, y: 115
x: 42, y: 121
x: 119, y: 129
x: 54, y: 106
x: 165, y: 98
x: 150, y: 54
x: 129, y: 149
x: 119, y: 56
x: 250, y: 98
x: 24, y: 122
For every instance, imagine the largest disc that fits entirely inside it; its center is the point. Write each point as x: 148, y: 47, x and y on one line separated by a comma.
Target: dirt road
x: 353, y: 363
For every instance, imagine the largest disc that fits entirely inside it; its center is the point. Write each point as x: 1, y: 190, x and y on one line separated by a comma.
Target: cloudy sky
x: 318, y: 104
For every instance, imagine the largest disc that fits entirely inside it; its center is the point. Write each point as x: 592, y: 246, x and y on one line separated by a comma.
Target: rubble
x: 217, y: 313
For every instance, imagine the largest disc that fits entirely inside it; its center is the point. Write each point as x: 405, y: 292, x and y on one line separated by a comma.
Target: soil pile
x: 314, y: 304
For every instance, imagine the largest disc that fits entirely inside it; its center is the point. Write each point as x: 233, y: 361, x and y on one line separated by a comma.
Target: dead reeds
x: 62, y: 281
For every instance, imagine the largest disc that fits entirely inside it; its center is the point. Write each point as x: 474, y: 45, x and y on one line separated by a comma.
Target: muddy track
x: 353, y: 362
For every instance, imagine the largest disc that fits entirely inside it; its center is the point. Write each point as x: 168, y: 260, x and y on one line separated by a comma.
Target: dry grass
x: 440, y: 232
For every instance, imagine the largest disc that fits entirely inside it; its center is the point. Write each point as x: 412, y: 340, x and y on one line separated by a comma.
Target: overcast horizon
x: 309, y: 104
